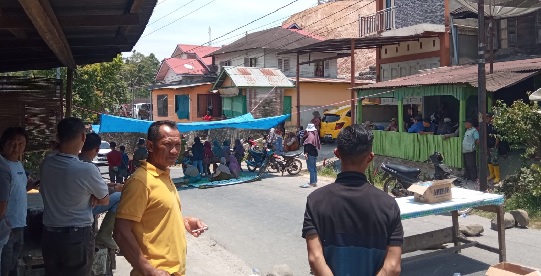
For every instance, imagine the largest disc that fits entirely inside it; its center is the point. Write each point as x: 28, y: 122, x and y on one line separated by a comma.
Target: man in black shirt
x: 350, y: 226
x: 492, y: 145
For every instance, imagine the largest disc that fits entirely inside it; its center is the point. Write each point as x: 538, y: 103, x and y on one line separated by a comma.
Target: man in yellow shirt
x: 149, y: 227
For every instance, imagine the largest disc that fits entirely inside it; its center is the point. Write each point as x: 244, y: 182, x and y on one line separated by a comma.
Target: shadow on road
x: 444, y: 265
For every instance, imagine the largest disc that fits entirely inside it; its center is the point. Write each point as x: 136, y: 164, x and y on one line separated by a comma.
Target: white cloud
x: 222, y: 16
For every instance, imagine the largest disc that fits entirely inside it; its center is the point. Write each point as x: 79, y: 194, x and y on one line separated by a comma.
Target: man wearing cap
x: 492, y: 144
x: 469, y: 146
x: 445, y: 127
x: 140, y: 153
x: 393, y: 126
x: 428, y: 127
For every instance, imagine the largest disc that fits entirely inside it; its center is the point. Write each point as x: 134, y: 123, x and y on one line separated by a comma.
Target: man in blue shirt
x: 428, y: 127
x: 417, y: 125
x: 12, y: 144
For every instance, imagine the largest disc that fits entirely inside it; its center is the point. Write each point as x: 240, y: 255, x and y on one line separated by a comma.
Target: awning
x: 111, y: 123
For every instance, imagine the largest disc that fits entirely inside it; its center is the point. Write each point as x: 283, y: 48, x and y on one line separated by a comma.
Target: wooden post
x: 501, y: 233
x: 298, y: 87
x: 69, y: 93
x: 482, y: 98
x: 353, y: 97
x: 462, y: 117
x: 359, y: 110
x: 400, y: 114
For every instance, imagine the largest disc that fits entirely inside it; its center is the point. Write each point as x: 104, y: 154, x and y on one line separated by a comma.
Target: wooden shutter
x: 202, y: 105
x: 246, y: 62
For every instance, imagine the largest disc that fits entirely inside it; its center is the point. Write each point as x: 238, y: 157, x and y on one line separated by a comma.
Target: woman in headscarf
x: 238, y: 151
x: 207, y: 157
x: 226, y: 149
x: 218, y: 153
x: 316, y: 121
x: 234, y: 166
x: 222, y: 171
x: 311, y: 147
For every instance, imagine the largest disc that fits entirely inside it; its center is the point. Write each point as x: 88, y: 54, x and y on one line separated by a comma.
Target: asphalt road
x: 261, y: 223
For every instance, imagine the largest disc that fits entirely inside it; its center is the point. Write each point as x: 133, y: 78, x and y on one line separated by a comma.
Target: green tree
x: 139, y: 72
x: 519, y: 124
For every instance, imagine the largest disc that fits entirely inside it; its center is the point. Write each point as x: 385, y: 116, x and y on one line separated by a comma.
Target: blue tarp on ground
x: 122, y: 124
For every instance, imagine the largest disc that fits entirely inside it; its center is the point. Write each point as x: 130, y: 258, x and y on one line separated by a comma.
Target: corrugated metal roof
x: 274, y: 38
x: 257, y: 77
x: 180, y: 86
x: 505, y: 74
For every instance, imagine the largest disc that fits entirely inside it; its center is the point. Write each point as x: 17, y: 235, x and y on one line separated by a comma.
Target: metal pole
x: 353, y: 98
x: 69, y: 92
x: 298, y: 86
x: 482, y: 99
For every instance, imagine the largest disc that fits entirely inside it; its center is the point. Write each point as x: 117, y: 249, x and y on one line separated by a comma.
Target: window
x: 319, y: 71
x: 504, y: 44
x: 162, y: 105
x: 182, y: 106
x: 250, y: 62
x: 512, y: 32
x: 283, y: 65
x: 225, y: 63
x: 209, y: 102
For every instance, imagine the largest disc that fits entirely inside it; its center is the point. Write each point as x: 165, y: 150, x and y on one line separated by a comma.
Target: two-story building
x: 183, y: 93
x: 319, y: 87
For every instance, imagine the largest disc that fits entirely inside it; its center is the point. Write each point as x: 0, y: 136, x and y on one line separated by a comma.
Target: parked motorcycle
x: 258, y: 159
x: 288, y: 162
x: 398, y: 178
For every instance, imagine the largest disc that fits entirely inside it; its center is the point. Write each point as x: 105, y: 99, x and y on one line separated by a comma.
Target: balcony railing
x: 376, y: 23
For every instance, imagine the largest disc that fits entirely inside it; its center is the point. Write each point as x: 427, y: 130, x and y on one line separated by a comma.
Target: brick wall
x: 413, y: 12
x: 272, y: 104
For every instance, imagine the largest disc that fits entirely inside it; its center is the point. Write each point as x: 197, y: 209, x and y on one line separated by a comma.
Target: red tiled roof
x: 505, y: 74
x: 201, y: 51
x: 181, y: 67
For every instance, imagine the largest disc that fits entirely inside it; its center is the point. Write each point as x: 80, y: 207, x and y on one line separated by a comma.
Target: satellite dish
x: 536, y: 96
x: 189, y: 66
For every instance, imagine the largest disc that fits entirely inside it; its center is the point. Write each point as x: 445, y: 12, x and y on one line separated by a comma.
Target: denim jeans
x: 12, y: 251
x: 199, y: 165
x: 3, y: 241
x: 311, y: 164
x: 114, y: 198
x: 114, y: 176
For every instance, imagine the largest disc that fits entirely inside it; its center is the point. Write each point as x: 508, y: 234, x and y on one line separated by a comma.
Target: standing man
x: 5, y: 184
x: 114, y: 159
x: 104, y: 237
x: 469, y: 146
x: 140, y: 153
x: 69, y: 188
x: 149, y: 227
x: 492, y: 143
x: 13, y: 143
x: 350, y: 226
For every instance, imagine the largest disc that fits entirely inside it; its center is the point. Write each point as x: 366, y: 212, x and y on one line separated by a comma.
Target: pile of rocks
x: 515, y: 218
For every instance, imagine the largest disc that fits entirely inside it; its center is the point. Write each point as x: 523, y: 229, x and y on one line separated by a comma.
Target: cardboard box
x: 432, y: 191
x: 510, y: 269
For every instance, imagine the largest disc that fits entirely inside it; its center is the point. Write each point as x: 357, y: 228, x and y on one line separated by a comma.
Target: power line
x: 179, y: 18
x: 169, y: 13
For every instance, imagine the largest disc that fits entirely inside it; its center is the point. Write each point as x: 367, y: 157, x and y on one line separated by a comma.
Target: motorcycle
x: 288, y: 162
x: 258, y: 159
x: 398, y: 178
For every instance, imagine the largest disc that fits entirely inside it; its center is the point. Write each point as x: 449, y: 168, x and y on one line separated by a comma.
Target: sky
x: 190, y: 24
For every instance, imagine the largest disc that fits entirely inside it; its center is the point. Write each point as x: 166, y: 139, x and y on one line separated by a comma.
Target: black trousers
x: 68, y: 250
x: 470, y: 165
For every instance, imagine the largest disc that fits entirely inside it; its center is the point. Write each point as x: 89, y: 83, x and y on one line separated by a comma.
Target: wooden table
x: 462, y: 199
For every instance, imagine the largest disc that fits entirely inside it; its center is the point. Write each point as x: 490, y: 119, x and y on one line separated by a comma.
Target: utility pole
x: 210, y: 37
x: 482, y: 98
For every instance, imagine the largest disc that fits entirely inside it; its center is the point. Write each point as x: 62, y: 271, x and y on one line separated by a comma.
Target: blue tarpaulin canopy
x: 247, y: 121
